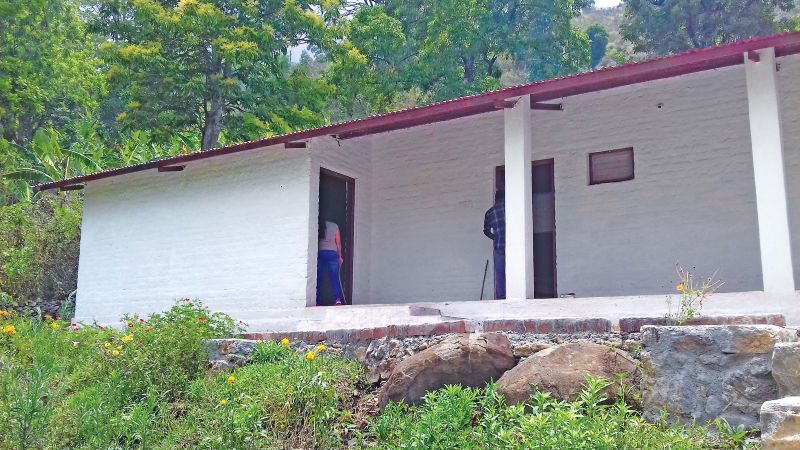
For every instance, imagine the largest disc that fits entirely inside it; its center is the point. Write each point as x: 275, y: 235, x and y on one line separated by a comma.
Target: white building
x: 712, y: 138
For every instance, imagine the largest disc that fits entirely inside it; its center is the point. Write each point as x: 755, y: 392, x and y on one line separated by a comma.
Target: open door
x: 544, y: 226
x: 336, y: 204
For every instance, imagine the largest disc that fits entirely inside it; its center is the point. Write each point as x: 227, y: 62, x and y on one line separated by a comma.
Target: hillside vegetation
x: 147, y: 386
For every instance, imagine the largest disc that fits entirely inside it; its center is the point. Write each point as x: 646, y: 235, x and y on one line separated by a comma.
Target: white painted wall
x: 692, y: 201
x: 227, y: 230
x: 431, y: 186
x: 352, y: 157
x: 239, y: 231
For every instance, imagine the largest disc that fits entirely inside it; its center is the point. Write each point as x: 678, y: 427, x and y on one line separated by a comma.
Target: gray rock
x: 229, y: 353
x: 562, y: 371
x: 469, y: 360
x: 704, y: 372
x: 780, y: 424
x: 786, y: 368
x: 526, y: 349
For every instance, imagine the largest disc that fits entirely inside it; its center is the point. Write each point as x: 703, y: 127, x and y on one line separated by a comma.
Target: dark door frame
x: 500, y: 171
x: 350, y: 210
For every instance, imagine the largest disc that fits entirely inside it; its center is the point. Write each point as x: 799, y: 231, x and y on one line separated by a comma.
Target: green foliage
x: 199, y: 65
x: 446, y: 49
x: 98, y: 387
x: 271, y: 352
x: 468, y: 418
x: 43, y: 159
x: 598, y: 41
x: 692, y: 295
x: 39, y: 249
x: 286, y: 402
x: 80, y: 149
x: 671, y: 26
x: 146, y: 385
x: 48, y: 71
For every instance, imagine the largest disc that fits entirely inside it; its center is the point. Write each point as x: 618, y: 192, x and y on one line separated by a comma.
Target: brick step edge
x: 634, y: 324
x: 534, y: 326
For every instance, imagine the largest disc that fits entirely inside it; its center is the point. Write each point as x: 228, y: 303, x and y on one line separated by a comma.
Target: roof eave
x: 649, y: 70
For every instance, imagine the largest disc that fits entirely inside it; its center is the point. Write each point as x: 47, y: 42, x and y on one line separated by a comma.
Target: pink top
x: 329, y: 241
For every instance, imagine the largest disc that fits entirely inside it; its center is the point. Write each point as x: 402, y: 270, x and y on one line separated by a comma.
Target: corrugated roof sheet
x: 540, y: 91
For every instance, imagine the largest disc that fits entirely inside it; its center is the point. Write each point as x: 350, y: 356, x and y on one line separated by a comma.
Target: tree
x: 218, y: 67
x: 598, y: 41
x: 660, y: 27
x: 48, y: 69
x: 440, y: 49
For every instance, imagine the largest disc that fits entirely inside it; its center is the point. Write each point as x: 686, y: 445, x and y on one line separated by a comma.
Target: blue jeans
x: 328, y: 261
x: 499, y: 273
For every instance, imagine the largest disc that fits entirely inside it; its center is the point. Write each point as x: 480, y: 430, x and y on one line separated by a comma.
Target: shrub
x: 66, y: 385
x: 285, y: 402
x: 468, y: 418
x: 97, y: 387
x: 39, y: 245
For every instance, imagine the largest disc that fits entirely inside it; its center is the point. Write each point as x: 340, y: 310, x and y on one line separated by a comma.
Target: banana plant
x: 44, y: 159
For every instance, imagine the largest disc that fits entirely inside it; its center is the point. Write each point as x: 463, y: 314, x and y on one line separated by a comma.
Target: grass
x: 147, y: 386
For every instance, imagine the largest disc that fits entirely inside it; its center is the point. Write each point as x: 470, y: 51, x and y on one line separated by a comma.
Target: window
x: 611, y: 166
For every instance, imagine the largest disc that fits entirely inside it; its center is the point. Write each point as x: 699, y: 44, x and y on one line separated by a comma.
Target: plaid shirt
x: 494, y: 225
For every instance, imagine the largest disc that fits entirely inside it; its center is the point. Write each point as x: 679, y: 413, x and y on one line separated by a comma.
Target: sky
x: 605, y: 3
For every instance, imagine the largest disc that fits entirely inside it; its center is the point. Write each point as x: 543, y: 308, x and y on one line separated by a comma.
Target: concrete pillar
x: 519, y: 213
x: 768, y: 167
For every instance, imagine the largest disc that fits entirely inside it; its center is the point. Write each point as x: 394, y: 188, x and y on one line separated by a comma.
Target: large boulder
x: 780, y: 424
x: 786, y: 368
x: 704, y: 372
x: 562, y: 371
x: 469, y: 360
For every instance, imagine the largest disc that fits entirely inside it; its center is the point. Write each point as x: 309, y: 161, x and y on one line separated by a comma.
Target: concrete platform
x: 424, y: 313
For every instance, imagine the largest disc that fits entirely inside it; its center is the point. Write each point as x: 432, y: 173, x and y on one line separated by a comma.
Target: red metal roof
x: 648, y: 70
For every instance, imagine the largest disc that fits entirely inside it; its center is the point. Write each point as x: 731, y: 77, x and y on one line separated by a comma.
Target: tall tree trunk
x: 469, y: 69
x: 216, y: 108
x: 213, y: 124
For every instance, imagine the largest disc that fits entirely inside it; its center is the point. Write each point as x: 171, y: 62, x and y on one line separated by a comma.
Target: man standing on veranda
x: 494, y: 227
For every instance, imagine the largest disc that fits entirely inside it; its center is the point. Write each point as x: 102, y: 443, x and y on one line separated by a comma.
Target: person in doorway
x: 494, y: 227
x: 329, y: 260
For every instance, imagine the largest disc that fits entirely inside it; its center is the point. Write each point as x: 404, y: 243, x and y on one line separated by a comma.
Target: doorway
x: 544, y: 226
x: 336, y: 204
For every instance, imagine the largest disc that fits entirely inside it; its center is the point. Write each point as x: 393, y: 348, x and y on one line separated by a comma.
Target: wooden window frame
x: 629, y: 150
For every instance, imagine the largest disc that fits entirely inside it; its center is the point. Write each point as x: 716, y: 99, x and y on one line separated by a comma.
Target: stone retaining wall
x: 380, y: 355
x: 635, y: 324
x: 533, y: 326
x: 695, y: 373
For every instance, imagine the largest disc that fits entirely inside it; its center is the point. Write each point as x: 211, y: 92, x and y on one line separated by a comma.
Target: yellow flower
x: 680, y: 287
x: 55, y: 325
x: 310, y: 356
x: 5, y: 314
x: 119, y: 347
x: 107, y: 345
x: 223, y: 402
x: 127, y: 338
x: 321, y: 347
x: 115, y: 353
x: 285, y: 341
x: 231, y: 379
x: 9, y: 330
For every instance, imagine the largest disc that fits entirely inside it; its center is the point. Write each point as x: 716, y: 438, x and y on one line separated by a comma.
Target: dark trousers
x: 328, y: 264
x: 499, y: 273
